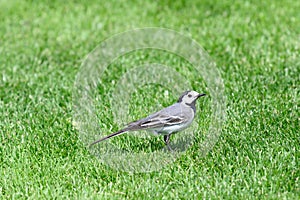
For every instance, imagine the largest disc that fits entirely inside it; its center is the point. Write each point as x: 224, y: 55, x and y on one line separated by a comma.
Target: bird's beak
x: 200, y: 95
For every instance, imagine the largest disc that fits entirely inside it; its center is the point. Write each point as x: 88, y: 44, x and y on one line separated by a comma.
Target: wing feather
x: 169, y: 116
x: 162, y: 121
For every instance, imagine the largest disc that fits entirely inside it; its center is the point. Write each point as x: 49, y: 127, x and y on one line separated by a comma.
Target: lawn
x: 256, y: 48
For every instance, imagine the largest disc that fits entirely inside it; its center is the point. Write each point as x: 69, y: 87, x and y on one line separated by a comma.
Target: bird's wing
x: 167, y: 117
x: 163, y: 121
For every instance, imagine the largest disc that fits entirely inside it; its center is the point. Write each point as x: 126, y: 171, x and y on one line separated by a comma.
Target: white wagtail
x: 169, y: 120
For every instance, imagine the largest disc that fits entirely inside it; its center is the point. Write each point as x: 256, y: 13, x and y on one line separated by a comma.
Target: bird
x: 167, y: 121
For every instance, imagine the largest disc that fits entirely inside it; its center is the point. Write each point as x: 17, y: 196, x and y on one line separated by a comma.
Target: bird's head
x: 189, y: 97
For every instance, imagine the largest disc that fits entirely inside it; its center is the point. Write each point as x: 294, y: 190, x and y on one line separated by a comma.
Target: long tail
x: 109, y: 136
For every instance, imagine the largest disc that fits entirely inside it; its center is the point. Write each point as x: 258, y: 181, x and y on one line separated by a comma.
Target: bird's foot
x: 167, y: 142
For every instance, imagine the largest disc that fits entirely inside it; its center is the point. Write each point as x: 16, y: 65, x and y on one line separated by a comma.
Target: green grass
x: 256, y: 47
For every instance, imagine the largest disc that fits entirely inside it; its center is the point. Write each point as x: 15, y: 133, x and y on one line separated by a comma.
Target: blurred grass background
x: 256, y: 47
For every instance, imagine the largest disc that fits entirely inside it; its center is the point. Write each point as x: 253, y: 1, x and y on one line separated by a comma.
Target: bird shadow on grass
x: 141, y: 154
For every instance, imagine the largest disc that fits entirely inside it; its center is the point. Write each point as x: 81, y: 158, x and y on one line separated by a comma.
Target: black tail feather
x: 109, y: 136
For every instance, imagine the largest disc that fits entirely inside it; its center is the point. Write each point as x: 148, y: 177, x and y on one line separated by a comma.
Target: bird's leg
x: 167, y: 141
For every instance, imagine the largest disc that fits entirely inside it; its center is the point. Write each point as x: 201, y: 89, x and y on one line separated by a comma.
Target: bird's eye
x: 189, y: 95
